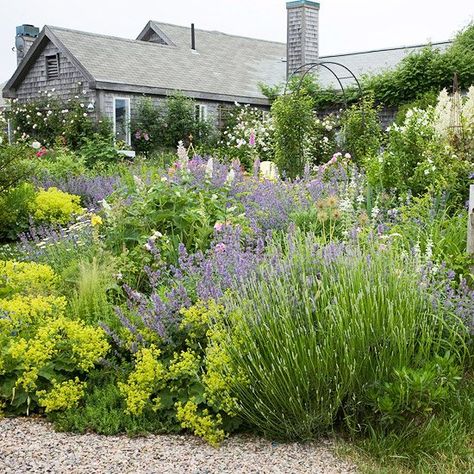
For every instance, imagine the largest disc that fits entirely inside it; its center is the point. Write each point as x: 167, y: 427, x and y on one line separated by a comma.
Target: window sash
x: 122, y: 119
x: 201, y: 112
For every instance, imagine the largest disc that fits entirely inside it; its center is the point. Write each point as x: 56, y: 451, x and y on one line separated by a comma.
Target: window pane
x: 121, y: 120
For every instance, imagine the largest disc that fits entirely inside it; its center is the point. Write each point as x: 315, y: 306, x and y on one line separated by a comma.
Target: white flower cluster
x: 34, y: 117
x: 253, y: 130
x: 453, y: 115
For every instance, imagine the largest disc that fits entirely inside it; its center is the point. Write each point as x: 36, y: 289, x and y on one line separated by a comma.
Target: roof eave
x: 199, y: 95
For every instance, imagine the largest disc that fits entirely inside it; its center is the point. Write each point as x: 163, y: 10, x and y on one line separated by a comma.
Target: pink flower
x: 42, y: 152
x: 252, y: 138
x: 220, y: 248
x: 218, y: 226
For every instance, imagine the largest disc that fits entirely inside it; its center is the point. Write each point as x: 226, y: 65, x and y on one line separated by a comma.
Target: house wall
x: 105, y: 104
x: 70, y: 83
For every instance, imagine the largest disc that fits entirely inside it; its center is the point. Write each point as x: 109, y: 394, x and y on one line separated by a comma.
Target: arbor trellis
x: 328, y: 65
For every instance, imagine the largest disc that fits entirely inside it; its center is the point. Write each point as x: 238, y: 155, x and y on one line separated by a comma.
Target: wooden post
x: 470, y: 223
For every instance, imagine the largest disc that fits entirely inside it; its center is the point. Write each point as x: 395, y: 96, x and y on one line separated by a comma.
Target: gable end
x: 152, y: 34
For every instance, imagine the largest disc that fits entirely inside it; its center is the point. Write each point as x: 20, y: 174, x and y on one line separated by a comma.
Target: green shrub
x: 361, y: 129
x: 413, y: 395
x: 15, y: 165
x: 442, y: 443
x: 248, y: 135
x: 103, y: 411
x: 53, y: 206
x: 170, y: 213
x: 293, y: 118
x: 164, y: 126
x: 182, y: 381
x: 317, y: 330
x: 98, y: 149
x: 59, y: 164
x: 437, y: 230
x: 15, y: 206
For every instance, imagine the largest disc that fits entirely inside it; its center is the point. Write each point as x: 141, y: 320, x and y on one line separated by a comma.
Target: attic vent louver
x: 52, y: 66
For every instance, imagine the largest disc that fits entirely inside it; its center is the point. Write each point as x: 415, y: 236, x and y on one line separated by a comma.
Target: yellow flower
x: 96, y: 220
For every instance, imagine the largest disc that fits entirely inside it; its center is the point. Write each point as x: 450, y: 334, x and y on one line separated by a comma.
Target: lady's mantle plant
x: 43, y: 353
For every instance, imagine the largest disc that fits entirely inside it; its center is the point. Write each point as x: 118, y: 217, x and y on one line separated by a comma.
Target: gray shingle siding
x: 66, y: 86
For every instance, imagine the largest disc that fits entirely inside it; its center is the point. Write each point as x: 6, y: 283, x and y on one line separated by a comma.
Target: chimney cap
x: 302, y: 3
x: 27, y: 30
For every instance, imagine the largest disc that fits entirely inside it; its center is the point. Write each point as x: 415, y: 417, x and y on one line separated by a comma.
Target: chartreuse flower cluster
x: 190, y: 382
x: 42, y: 352
x: 55, y: 207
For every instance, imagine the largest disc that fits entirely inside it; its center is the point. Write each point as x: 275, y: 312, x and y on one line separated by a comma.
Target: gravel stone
x: 31, y: 445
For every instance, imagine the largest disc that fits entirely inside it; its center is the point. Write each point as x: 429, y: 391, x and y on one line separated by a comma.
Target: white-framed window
x: 122, y: 119
x: 201, y: 112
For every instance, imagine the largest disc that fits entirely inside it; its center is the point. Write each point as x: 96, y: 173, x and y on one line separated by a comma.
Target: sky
x: 345, y: 25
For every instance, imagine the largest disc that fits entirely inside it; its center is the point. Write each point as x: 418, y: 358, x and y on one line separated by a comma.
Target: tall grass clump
x: 90, y: 298
x: 315, y: 330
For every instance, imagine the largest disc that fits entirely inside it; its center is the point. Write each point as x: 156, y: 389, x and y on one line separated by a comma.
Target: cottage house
x: 111, y: 74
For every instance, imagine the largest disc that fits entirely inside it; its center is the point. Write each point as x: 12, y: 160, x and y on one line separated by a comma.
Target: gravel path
x: 28, y: 445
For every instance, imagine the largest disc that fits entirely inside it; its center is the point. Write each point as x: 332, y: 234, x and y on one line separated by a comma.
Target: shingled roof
x: 369, y: 62
x: 223, y: 67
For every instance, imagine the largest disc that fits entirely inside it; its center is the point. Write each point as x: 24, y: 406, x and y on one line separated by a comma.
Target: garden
x: 296, y: 275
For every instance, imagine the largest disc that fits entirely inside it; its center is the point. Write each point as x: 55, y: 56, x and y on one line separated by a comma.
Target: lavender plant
x: 318, y: 326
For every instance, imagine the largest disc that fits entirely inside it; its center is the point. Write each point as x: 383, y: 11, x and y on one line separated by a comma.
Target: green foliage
x: 417, y: 159
x: 170, y: 213
x: 293, y: 118
x: 42, y: 352
x: 323, y: 220
x: 90, y: 301
x: 413, y: 395
x: 14, y: 165
x: 15, y: 206
x: 443, y: 443
x: 53, y: 206
x: 147, y: 127
x: 316, y: 331
x: 320, y: 141
x: 59, y: 164
x: 157, y: 127
x: 98, y: 149
x: 361, y: 130
x: 179, y: 120
x: 103, y: 411
x: 184, y: 380
x: 437, y: 230
x: 423, y: 102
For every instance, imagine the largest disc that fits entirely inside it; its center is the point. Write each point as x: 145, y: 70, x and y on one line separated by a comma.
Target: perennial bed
x: 184, y: 294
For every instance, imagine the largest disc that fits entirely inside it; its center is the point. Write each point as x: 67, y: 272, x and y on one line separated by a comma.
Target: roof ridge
x: 217, y: 31
x: 395, y: 48
x: 101, y: 35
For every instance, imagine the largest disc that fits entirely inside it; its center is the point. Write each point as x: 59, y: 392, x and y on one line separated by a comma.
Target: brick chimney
x: 25, y: 37
x: 303, y: 34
